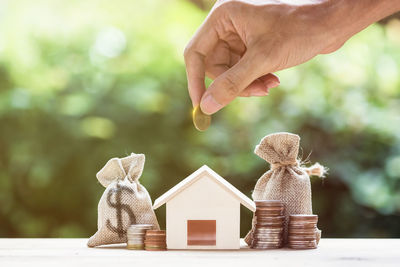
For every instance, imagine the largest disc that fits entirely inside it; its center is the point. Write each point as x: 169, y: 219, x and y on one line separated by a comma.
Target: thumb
x: 228, y: 85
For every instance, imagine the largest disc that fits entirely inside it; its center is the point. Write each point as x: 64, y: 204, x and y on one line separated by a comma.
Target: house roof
x: 182, y: 185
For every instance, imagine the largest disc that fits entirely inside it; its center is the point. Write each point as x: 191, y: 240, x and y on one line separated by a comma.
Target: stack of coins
x: 303, y: 231
x: 268, y: 230
x: 135, y: 235
x: 155, y: 240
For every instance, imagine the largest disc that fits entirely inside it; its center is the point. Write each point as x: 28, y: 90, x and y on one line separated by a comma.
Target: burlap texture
x: 286, y: 180
x: 124, y: 202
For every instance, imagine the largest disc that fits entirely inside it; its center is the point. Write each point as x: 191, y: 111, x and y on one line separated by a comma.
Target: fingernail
x: 272, y: 83
x: 209, y: 105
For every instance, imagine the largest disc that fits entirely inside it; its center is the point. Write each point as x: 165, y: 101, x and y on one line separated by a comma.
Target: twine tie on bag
x: 314, y: 170
x: 284, y: 164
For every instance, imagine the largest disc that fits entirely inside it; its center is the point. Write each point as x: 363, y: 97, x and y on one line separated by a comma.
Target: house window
x: 201, y: 232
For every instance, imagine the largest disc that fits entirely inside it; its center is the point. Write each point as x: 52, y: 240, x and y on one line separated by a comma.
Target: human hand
x: 241, y: 43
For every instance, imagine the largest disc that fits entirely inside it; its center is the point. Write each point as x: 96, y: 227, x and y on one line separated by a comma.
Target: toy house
x: 203, y: 212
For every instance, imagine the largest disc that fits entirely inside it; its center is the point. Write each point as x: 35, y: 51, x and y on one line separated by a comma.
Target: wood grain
x: 73, y: 252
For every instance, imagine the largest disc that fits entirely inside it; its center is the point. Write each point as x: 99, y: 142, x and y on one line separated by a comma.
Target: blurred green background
x: 84, y: 81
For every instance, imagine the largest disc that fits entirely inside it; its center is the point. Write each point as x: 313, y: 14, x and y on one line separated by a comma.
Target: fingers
x: 261, y: 86
x: 229, y: 85
x: 195, y: 72
x: 203, y: 41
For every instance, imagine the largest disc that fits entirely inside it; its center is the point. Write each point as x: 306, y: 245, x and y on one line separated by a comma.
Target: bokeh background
x: 84, y: 81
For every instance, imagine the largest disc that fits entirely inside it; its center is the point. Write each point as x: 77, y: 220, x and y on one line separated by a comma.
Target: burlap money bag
x: 286, y: 180
x: 124, y: 202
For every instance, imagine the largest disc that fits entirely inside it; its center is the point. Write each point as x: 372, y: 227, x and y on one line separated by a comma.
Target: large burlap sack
x: 124, y: 202
x: 287, y: 180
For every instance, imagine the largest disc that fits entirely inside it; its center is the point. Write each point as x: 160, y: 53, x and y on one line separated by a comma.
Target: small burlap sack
x: 124, y: 202
x: 287, y: 180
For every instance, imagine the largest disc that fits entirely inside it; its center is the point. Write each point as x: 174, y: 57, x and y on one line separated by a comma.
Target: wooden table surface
x: 73, y: 252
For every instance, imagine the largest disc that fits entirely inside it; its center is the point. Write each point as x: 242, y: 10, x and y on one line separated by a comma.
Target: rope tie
x: 315, y: 170
x: 284, y: 164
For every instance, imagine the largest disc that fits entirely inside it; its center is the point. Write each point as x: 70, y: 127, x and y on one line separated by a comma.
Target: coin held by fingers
x: 200, y: 120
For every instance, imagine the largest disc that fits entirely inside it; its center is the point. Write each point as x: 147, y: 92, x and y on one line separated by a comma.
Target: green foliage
x: 84, y: 81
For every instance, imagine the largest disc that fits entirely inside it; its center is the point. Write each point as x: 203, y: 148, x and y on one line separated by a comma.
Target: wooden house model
x: 203, y: 212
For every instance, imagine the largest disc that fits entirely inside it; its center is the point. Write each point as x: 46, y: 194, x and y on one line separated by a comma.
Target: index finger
x: 195, y: 72
x: 201, y: 44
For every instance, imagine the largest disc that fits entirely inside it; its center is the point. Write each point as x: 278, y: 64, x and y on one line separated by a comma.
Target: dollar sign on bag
x: 119, y: 207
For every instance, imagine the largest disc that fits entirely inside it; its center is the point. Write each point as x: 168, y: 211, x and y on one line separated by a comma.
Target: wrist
x: 343, y: 18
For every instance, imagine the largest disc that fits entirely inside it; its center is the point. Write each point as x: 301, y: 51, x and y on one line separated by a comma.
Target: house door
x: 201, y: 232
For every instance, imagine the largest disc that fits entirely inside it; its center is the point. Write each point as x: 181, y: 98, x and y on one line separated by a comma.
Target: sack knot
x: 316, y: 170
x: 284, y: 164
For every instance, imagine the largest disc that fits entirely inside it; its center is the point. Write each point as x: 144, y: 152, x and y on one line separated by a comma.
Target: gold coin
x: 135, y: 246
x: 200, y: 120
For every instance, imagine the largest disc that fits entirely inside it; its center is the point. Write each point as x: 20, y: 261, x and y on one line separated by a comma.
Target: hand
x: 241, y: 43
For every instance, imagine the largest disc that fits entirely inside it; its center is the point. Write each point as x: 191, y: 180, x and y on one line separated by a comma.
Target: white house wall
x: 204, y: 200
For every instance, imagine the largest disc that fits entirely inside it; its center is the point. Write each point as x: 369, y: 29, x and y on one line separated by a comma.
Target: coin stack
x: 303, y: 231
x: 155, y: 240
x: 268, y: 230
x: 135, y: 235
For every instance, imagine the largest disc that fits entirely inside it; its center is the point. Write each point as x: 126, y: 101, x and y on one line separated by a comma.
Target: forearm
x: 344, y: 18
